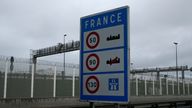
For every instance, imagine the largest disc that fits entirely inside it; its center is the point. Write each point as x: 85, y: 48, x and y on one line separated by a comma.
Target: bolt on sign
x: 104, y: 56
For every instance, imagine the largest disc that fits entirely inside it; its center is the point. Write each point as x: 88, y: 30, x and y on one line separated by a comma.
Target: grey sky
x: 155, y: 25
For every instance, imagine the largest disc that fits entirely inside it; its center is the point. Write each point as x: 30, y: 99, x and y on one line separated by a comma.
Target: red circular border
x: 97, y: 88
x: 87, y: 41
x: 96, y: 56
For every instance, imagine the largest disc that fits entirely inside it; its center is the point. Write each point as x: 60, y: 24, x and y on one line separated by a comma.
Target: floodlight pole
x: 177, y: 67
x: 64, y: 46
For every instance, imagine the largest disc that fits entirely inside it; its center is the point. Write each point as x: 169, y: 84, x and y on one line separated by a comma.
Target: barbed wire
x: 39, y: 62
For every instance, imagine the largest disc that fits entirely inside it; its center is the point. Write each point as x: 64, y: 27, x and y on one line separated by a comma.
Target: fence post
x: 32, y: 75
x: 153, y: 87
x: 54, y: 81
x: 145, y: 87
x: 173, y: 88
x: 5, y: 79
x: 167, y: 86
x: 73, y: 83
x: 178, y: 87
x: 188, y: 88
x: 183, y: 87
x: 160, y: 86
x: 32, y: 80
x: 136, y: 82
x: 183, y: 81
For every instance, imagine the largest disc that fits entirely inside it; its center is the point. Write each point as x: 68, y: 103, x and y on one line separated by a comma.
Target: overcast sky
x: 154, y: 26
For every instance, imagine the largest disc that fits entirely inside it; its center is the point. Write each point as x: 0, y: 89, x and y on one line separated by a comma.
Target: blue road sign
x: 113, y: 84
x: 104, y: 56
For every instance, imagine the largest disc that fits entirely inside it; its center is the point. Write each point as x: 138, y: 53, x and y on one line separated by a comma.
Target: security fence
x: 153, y: 86
x: 50, y: 81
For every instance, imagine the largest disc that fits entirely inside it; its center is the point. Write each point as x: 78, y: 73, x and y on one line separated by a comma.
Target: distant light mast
x: 176, y: 67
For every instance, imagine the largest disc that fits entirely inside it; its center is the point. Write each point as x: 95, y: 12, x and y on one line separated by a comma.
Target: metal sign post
x: 104, y: 56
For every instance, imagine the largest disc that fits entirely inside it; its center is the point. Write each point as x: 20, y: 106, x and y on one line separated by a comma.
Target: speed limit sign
x: 92, y: 62
x: 92, y: 84
x: 92, y: 40
x: 105, y: 56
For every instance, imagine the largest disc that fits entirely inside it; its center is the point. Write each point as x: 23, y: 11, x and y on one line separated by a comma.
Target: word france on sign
x: 104, y: 56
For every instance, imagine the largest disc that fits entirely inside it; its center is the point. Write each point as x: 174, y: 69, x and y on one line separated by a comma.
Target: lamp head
x: 175, y: 43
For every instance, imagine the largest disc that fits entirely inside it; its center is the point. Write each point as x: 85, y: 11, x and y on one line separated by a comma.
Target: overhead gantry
x: 75, y: 45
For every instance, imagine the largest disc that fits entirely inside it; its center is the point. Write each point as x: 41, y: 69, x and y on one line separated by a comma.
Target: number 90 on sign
x: 92, y: 62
